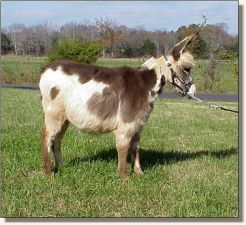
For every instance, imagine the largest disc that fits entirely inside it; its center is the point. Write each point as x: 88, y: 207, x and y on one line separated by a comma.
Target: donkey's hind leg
x: 56, y: 146
x: 53, y: 131
x: 46, y: 147
x: 134, y: 154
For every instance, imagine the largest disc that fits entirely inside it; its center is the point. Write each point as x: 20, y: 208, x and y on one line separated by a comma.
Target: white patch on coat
x: 72, y: 99
x: 152, y: 98
x: 49, y: 147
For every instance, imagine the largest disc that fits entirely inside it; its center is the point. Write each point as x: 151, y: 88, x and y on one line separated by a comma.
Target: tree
x: 122, y: 41
x: 126, y: 51
x: 198, y: 46
x: 110, y: 35
x: 148, y: 48
x: 6, y: 45
x: 44, y: 33
x: 15, y: 31
x: 214, y: 36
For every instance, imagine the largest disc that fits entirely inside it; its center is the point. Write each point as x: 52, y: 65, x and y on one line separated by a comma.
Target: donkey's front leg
x: 123, y: 147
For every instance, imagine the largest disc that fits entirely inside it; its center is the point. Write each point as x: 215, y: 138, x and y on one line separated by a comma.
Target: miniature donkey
x: 98, y: 99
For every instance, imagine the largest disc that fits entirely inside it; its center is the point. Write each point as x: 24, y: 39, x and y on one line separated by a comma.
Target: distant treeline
x: 118, y: 40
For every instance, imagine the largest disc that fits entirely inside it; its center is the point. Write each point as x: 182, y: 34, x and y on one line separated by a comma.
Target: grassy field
x: 26, y: 70
x: 189, y: 157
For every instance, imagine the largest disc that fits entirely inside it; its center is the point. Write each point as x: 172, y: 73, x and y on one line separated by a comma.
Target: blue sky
x: 152, y: 15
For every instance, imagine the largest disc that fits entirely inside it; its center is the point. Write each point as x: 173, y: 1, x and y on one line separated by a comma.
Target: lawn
x: 26, y: 70
x: 189, y: 154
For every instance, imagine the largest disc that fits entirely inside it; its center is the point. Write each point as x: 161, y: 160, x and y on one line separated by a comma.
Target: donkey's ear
x: 179, y: 48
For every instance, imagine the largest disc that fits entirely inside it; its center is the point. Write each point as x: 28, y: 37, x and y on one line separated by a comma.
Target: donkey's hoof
x: 55, y: 170
x: 138, y: 171
x: 48, y: 172
x: 124, y: 176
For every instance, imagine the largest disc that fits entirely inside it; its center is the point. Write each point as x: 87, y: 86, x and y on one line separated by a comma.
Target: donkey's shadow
x: 150, y: 157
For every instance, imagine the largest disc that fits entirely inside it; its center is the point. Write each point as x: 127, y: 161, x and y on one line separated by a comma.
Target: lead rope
x: 209, y: 104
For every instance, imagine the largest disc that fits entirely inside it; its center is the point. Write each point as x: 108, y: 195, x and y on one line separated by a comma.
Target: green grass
x: 21, y: 70
x: 189, y: 154
x: 226, y: 80
x: 26, y: 70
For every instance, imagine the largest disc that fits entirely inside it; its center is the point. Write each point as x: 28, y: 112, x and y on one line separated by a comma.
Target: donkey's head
x: 182, y: 62
x: 176, y: 68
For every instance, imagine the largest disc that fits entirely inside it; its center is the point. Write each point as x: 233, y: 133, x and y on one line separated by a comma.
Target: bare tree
x: 14, y: 30
x: 109, y: 34
x: 117, y: 40
x: 214, y: 36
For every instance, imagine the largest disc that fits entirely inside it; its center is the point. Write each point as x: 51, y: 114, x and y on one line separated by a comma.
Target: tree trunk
x: 15, y: 44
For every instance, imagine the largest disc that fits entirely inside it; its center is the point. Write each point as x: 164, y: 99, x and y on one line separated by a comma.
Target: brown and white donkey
x: 98, y: 99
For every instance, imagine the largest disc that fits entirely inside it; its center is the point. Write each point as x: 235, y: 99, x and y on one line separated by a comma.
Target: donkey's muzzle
x: 192, y: 90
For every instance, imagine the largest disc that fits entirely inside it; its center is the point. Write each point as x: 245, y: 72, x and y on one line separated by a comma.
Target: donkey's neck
x: 163, y: 75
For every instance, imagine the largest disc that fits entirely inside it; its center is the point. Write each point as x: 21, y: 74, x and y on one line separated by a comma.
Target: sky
x: 152, y: 15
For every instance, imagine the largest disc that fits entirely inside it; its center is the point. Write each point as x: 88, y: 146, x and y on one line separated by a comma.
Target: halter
x: 174, y: 76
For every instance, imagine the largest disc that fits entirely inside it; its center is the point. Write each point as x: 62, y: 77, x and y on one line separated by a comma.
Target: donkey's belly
x: 88, y: 123
x: 78, y: 114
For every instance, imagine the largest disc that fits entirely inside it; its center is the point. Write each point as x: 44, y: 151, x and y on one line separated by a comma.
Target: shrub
x: 87, y: 52
x: 210, y: 76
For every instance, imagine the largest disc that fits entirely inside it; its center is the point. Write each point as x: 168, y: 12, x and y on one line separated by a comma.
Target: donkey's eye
x: 186, y: 71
